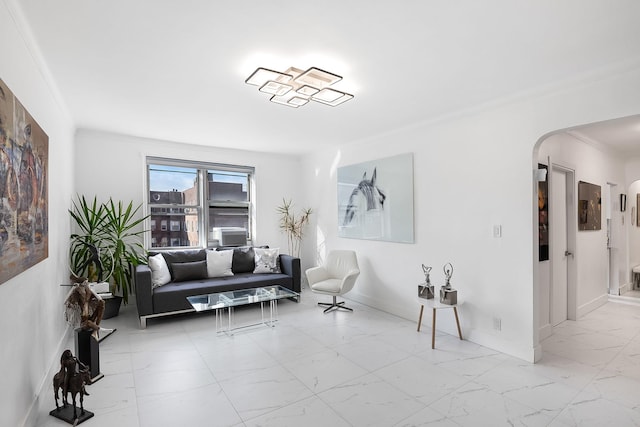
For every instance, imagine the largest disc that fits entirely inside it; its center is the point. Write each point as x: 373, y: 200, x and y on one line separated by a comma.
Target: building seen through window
x: 194, y: 205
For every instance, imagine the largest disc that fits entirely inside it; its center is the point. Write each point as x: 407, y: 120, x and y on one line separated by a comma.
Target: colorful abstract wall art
x: 24, y: 153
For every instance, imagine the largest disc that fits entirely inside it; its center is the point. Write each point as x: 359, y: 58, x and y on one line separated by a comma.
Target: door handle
x: 567, y: 253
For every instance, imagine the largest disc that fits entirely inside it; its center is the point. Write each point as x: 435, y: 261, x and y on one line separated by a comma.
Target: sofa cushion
x: 159, y: 271
x: 183, y: 271
x: 267, y: 260
x: 219, y: 263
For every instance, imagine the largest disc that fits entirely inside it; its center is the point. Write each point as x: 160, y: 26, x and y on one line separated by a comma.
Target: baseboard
x: 624, y: 300
x: 624, y: 288
x: 545, y: 331
x: 537, y: 353
x: 592, y: 305
x: 448, y: 326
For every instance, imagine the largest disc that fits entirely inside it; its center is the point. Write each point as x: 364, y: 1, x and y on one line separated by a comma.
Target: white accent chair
x: 336, y: 277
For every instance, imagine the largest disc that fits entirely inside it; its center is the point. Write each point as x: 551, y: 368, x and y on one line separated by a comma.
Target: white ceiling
x: 175, y: 69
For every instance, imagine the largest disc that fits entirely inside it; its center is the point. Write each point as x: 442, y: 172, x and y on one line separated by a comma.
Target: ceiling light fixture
x: 295, y: 87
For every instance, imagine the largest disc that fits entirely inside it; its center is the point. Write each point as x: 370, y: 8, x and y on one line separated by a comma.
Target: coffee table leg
x: 433, y: 330
x: 455, y: 311
x: 420, y: 317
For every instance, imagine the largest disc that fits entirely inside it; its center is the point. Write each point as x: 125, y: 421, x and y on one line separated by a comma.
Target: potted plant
x: 293, y: 226
x: 107, y: 242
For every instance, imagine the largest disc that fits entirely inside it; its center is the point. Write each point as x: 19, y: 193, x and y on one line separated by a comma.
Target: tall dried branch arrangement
x: 293, y: 226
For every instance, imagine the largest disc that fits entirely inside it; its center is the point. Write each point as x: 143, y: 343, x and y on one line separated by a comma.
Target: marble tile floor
x: 365, y: 368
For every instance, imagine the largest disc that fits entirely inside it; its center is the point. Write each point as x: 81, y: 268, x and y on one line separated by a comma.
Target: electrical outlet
x: 497, y: 323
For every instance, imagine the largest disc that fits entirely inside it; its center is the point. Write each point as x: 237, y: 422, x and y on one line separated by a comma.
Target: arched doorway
x: 597, y: 154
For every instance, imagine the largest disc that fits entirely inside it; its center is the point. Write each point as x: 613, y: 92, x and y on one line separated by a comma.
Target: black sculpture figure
x: 72, y: 378
x: 94, y: 258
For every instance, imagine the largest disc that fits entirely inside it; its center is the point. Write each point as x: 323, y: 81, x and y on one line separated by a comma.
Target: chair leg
x: 335, y: 305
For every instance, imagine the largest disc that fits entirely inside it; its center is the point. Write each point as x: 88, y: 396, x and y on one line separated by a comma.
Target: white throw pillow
x: 267, y: 260
x: 159, y: 271
x: 219, y: 263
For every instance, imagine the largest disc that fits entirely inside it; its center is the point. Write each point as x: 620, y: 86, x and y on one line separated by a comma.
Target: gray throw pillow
x: 183, y: 271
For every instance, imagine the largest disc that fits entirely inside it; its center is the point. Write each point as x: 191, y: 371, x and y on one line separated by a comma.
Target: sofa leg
x: 143, y: 322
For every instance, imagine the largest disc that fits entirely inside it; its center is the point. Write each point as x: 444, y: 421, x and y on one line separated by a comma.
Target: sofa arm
x: 291, y: 267
x: 142, y: 279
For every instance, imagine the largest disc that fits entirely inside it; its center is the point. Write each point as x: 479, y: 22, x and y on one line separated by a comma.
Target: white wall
x: 596, y: 164
x: 471, y: 172
x: 114, y: 165
x: 32, y: 328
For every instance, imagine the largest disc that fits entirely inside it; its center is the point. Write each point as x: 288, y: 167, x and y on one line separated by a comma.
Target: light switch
x: 497, y: 231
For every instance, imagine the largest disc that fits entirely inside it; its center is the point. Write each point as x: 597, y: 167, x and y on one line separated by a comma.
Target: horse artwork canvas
x: 375, y: 199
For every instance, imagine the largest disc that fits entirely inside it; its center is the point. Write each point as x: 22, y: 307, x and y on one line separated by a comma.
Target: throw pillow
x: 267, y: 260
x: 159, y: 271
x: 183, y: 271
x: 219, y: 263
x: 243, y: 261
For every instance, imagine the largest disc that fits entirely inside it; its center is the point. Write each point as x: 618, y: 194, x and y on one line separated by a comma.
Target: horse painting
x: 367, y: 196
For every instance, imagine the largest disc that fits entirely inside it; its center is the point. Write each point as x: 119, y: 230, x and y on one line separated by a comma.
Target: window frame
x: 204, y: 204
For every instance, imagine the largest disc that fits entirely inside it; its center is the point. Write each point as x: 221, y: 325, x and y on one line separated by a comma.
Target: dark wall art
x: 543, y: 218
x: 24, y: 152
x: 589, y: 206
x: 375, y: 199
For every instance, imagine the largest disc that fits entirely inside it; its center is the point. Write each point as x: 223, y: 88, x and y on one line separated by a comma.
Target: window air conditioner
x: 228, y: 236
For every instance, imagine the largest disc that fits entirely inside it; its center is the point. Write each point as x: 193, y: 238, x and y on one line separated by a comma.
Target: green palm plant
x: 89, y: 218
x: 124, y: 239
x: 111, y: 232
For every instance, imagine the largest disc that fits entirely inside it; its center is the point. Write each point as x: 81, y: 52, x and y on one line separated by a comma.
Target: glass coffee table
x: 221, y: 301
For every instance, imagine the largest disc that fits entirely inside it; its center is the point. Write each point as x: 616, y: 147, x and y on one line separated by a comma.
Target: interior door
x: 559, y: 248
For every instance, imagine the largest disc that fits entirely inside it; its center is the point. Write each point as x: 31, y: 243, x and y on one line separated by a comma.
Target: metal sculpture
x: 71, y: 379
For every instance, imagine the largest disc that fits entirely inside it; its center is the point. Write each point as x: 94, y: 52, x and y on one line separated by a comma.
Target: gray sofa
x: 172, y: 298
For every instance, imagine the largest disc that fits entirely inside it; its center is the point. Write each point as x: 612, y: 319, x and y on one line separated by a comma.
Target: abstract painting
x: 543, y: 218
x: 24, y: 153
x: 589, y: 206
x: 375, y: 199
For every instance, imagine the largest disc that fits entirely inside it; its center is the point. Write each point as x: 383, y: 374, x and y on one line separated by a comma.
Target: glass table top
x: 240, y: 297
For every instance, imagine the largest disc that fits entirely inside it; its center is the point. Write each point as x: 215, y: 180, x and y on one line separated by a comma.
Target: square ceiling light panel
x: 262, y: 75
x: 317, y: 78
x: 275, y: 88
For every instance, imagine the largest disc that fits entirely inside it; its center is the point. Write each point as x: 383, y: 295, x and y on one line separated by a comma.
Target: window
x: 198, y: 204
